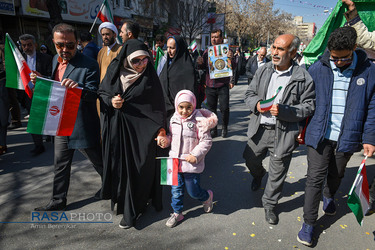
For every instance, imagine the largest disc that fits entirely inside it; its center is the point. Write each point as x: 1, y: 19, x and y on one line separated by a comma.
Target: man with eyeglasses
x: 343, y: 122
x: 256, y: 62
x: 41, y: 63
x: 74, y: 69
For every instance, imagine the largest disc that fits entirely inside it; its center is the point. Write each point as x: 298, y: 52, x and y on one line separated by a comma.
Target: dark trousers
x: 325, y: 166
x: 220, y: 94
x: 255, y: 151
x: 63, y: 163
x: 38, y: 139
x: 4, y: 113
x: 3, y: 136
x: 372, y: 190
x: 15, y: 110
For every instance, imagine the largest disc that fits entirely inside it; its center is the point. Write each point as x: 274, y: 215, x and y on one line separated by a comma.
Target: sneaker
x: 329, y: 207
x: 174, y: 219
x: 208, y: 204
x: 305, y: 235
x: 123, y: 224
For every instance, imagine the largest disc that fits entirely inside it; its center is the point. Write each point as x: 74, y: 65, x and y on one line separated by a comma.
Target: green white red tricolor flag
x: 17, y: 70
x: 169, y: 171
x: 193, y: 46
x: 160, y: 60
x: 105, y: 14
x: 267, y: 104
x: 54, y: 108
x: 358, y: 200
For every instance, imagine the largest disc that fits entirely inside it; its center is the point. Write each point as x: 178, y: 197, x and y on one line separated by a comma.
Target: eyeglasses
x: 139, y: 62
x: 68, y: 46
x: 341, y: 59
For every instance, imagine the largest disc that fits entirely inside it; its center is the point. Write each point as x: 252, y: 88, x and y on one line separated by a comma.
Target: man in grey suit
x: 40, y: 64
x: 74, y: 69
x: 256, y: 62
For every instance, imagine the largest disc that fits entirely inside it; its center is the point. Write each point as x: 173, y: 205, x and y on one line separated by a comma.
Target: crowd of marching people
x: 131, y: 113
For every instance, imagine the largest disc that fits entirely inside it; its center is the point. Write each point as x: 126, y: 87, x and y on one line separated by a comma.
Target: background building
x: 305, y: 31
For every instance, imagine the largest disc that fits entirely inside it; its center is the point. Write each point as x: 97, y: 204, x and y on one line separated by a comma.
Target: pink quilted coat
x: 191, y: 135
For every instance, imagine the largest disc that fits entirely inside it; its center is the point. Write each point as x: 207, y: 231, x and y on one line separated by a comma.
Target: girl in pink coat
x: 190, y: 139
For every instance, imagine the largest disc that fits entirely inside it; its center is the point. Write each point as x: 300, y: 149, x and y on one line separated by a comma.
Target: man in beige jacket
x: 110, y: 50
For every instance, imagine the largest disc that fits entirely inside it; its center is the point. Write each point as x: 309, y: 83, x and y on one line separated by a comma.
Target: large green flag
x: 317, y: 46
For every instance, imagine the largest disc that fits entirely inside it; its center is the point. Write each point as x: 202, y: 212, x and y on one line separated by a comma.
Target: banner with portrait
x: 218, y: 62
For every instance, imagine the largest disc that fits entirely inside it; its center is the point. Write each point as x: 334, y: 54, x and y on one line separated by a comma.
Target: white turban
x: 108, y: 25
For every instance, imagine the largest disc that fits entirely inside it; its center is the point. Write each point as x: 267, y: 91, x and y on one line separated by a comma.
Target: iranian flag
x: 160, y: 60
x: 169, y: 171
x: 358, y: 200
x: 105, y: 14
x: 54, y: 108
x: 267, y: 104
x: 17, y: 70
x: 193, y: 46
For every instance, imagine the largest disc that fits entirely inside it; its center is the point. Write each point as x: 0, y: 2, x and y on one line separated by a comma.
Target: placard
x: 218, y: 62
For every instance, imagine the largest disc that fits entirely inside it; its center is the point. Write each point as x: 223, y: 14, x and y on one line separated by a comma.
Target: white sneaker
x: 174, y: 219
x: 208, y: 204
x: 26, y: 117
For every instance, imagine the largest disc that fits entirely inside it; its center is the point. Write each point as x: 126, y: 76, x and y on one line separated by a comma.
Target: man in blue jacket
x: 344, y: 120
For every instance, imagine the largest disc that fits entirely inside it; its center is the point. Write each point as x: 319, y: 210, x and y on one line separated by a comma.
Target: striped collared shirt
x: 339, y: 93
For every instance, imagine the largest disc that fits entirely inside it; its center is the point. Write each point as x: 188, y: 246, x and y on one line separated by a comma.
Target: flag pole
x: 96, y: 18
x: 158, y: 158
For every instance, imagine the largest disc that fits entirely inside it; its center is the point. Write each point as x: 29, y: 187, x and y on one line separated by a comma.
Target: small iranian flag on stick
x: 267, y: 104
x: 17, y: 70
x: 169, y: 171
x: 54, y: 108
x: 193, y: 46
x: 358, y: 200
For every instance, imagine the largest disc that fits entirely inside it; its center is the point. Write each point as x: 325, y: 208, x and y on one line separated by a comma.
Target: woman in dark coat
x: 132, y: 116
x: 178, y: 72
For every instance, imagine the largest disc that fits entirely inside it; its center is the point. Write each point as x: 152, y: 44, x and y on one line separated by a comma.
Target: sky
x: 311, y: 14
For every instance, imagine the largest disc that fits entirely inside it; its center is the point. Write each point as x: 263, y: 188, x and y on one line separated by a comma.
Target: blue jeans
x: 191, y: 181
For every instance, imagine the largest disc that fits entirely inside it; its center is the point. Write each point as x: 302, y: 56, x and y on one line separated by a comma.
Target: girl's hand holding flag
x: 368, y: 150
x: 191, y: 159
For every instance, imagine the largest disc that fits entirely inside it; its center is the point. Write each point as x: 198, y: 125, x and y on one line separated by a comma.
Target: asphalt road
x: 237, y: 220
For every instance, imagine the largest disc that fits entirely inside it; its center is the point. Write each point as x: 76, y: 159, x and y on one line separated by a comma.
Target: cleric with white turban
x: 108, y: 25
